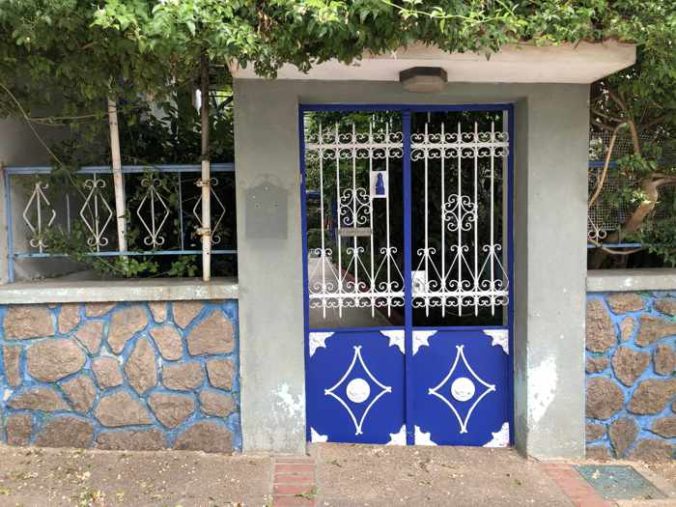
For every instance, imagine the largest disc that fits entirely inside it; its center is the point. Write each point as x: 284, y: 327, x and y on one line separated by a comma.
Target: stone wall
x: 631, y: 388
x: 134, y: 376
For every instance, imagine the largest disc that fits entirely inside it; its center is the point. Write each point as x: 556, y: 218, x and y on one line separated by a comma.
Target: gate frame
x: 406, y: 110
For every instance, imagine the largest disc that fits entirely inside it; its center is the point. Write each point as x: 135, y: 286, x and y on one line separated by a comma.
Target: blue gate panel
x: 461, y: 388
x: 355, y: 387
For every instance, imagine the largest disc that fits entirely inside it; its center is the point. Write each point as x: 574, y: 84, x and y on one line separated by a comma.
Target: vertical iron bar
x: 459, y: 252
x: 372, y: 287
x: 322, y: 257
x: 10, y: 225
x: 443, y: 228
x: 476, y: 219
x: 180, y: 211
x: 339, y: 238
x: 408, y: 283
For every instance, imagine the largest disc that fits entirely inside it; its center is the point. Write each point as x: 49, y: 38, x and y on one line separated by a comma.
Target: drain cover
x: 619, y: 482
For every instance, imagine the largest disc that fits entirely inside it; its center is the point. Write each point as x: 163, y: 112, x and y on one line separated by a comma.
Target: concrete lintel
x: 581, y: 63
x: 621, y: 280
x: 55, y: 291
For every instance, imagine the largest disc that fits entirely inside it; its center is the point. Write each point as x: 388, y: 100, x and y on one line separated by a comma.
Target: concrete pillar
x: 270, y: 270
x: 550, y: 208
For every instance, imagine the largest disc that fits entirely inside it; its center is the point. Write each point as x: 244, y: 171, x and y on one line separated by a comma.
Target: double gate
x: 407, y: 253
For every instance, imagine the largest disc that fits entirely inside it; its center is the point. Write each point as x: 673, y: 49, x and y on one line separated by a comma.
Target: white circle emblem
x: 462, y: 389
x: 358, y: 390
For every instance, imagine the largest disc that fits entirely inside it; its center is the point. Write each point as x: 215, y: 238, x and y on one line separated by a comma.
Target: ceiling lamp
x: 423, y: 79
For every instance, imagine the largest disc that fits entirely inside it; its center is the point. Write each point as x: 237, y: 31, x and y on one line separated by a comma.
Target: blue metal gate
x: 407, y: 268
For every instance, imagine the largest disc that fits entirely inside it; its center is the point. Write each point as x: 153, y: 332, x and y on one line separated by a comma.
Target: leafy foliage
x: 69, y: 55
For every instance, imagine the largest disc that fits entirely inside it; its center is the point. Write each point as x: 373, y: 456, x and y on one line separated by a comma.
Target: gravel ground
x: 67, y: 477
x: 346, y: 475
x: 457, y: 476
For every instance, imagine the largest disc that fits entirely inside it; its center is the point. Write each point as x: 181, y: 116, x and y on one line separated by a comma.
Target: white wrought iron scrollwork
x: 461, y: 273
x: 216, y: 204
x: 96, y: 213
x: 360, y: 269
x: 39, y: 204
x: 157, y: 210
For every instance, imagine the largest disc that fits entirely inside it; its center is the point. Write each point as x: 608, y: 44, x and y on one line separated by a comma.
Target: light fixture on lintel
x: 423, y: 79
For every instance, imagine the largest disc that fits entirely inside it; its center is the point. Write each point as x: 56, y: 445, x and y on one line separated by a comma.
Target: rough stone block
x: 52, y: 360
x: 217, y: 404
x: 654, y: 328
x: 90, y: 335
x: 597, y: 453
x: 205, y: 436
x: 596, y: 364
x: 214, y: 335
x: 158, y: 311
x: 594, y: 431
x: 627, y: 327
x: 23, y: 322
x: 65, y: 432
x: 600, y: 331
x: 664, y: 359
x: 132, y: 440
x: 12, y: 361
x: 624, y: 302
x: 107, y: 371
x: 141, y: 367
x: 665, y: 427
x: 666, y: 306
x: 69, y: 317
x: 44, y: 399
x: 171, y: 409
x: 168, y: 341
x: 628, y: 365
x: 18, y: 429
x: 651, y: 396
x: 604, y: 398
x: 81, y: 392
x: 98, y: 309
x: 121, y: 409
x: 183, y: 376
x: 221, y: 373
x: 651, y: 451
x: 185, y: 312
x: 622, y: 433
x: 124, y: 324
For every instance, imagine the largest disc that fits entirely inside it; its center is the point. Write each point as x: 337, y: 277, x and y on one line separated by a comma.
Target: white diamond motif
x: 356, y: 396
x: 463, y: 392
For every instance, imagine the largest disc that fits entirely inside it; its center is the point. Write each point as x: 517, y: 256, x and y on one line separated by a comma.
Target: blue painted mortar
x: 231, y: 422
x: 644, y: 422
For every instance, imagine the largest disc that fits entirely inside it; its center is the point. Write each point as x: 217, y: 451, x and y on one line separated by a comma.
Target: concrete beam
x: 169, y: 289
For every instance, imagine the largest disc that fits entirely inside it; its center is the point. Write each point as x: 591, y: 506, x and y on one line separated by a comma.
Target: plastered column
x: 550, y: 211
x: 270, y: 268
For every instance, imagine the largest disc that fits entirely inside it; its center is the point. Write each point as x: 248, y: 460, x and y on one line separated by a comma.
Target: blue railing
x: 163, y: 211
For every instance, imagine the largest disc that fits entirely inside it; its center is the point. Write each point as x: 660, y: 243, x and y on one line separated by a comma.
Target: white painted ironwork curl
x: 355, y: 207
x: 157, y: 210
x: 96, y: 213
x: 217, y: 206
x: 39, y: 204
x: 461, y: 273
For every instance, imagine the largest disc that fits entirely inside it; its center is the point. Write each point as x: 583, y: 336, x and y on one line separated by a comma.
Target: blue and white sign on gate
x: 407, y: 227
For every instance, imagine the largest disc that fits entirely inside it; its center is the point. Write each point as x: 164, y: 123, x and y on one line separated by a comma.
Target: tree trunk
x: 118, y: 178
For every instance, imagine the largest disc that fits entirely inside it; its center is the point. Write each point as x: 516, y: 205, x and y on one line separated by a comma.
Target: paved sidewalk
x: 333, y: 475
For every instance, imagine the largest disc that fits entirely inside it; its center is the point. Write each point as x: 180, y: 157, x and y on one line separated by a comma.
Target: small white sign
x: 379, y: 184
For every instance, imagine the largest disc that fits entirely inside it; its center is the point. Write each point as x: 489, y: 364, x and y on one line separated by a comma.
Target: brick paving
x: 293, y: 481
x: 573, y: 485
